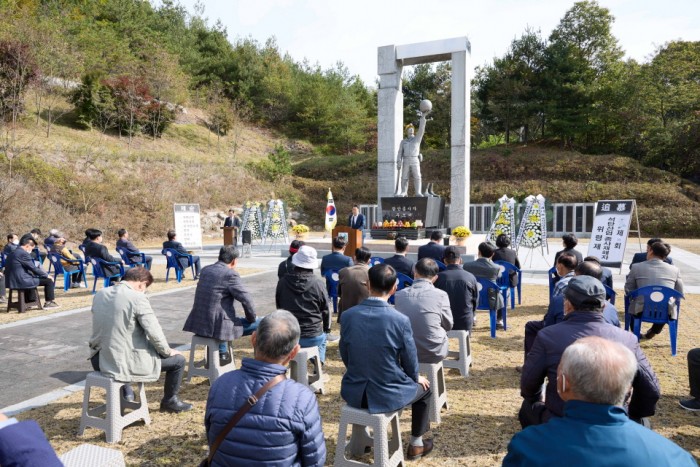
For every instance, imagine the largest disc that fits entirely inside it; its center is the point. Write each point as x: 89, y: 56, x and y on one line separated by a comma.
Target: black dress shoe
x: 224, y: 359
x: 174, y: 405
x: 648, y: 335
x: 416, y: 452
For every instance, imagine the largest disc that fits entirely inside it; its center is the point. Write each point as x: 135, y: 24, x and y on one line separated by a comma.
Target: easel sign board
x: 188, y: 225
x: 611, y: 227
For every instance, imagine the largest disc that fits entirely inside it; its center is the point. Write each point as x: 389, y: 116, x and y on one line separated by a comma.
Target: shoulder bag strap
x: 252, y: 400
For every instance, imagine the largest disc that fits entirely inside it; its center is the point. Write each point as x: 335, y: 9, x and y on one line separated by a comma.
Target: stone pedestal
x: 428, y: 209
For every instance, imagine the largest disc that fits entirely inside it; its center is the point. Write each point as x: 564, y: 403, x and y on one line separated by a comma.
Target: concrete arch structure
x: 391, y: 60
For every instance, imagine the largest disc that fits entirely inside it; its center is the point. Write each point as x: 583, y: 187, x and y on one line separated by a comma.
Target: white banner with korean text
x: 611, y: 227
x: 188, y: 225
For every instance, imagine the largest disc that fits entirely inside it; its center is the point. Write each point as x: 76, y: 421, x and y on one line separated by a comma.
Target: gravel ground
x: 481, y: 419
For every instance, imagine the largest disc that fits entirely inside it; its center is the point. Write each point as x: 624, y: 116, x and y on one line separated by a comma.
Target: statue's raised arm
x: 409, y: 158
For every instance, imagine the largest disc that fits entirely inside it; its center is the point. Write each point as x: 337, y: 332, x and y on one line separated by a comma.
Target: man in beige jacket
x: 128, y: 343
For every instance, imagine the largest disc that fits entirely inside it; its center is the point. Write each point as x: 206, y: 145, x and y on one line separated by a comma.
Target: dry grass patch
x: 482, y: 414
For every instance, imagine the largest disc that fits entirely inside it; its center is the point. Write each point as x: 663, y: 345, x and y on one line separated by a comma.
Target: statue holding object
x: 409, y: 157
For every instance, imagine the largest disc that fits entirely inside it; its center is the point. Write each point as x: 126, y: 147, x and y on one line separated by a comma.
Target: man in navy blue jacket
x: 336, y: 259
x: 23, y: 443
x: 379, y: 353
x: 284, y: 426
x: 433, y: 249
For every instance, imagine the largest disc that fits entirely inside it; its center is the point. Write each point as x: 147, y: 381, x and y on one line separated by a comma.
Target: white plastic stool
x: 89, y: 455
x: 211, y: 368
x: 114, y: 419
x: 387, y: 452
x: 299, y: 369
x: 436, y: 376
x: 464, y: 360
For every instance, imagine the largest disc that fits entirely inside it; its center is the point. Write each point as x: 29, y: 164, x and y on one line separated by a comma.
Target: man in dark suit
x: 177, y: 246
x: 22, y: 273
x: 461, y: 288
x: 654, y: 271
x: 356, y: 220
x: 606, y: 274
x: 642, y: 256
x: 569, y: 241
x: 95, y: 249
x: 12, y: 242
x: 213, y: 312
x: 286, y: 266
x: 336, y: 259
x: 504, y: 253
x: 399, y: 261
x: 130, y: 248
x: 233, y: 221
x: 353, y: 282
x: 485, y: 268
x: 379, y: 353
x: 433, y: 249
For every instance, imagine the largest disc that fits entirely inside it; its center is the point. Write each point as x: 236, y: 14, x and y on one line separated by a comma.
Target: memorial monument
x: 391, y: 60
x: 409, y: 156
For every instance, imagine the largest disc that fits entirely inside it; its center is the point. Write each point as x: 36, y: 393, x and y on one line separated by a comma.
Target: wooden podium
x: 354, y: 238
x: 230, y: 235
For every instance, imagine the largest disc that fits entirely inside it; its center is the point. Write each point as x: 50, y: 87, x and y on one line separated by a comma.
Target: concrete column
x: 390, y: 121
x: 460, y: 142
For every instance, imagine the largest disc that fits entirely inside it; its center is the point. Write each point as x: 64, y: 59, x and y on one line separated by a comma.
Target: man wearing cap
x: 286, y: 266
x: 461, y: 288
x: 304, y: 295
x: 584, y: 300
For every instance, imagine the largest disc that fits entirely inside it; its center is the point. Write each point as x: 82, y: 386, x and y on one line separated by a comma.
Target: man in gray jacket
x: 213, y: 314
x: 428, y: 309
x: 128, y: 344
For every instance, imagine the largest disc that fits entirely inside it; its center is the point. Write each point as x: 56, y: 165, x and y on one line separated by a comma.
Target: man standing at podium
x: 356, y: 220
x: 233, y: 221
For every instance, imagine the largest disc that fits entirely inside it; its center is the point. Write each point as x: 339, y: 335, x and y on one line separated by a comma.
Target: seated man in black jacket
x: 177, y: 246
x: 22, y: 273
x: 130, y: 248
x: 399, y: 261
x: 304, y: 295
x: 95, y: 249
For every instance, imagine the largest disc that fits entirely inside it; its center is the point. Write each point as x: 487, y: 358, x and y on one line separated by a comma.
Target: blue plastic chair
x: 656, y: 302
x: 332, y: 279
x: 87, y: 258
x: 553, y: 279
x: 610, y: 294
x: 441, y: 265
x: 402, y: 281
x: 374, y: 260
x: 484, y: 285
x: 508, y: 268
x: 172, y: 261
x: 2, y: 260
x: 58, y: 268
x: 100, y: 273
x: 128, y: 261
x: 36, y: 257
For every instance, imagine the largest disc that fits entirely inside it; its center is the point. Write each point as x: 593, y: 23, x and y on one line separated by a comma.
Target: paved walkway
x: 45, y: 354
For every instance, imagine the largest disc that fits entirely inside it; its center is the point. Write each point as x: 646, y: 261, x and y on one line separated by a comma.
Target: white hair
x: 599, y: 371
